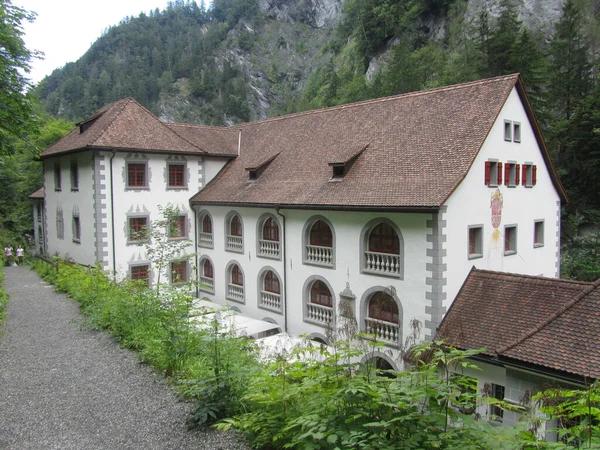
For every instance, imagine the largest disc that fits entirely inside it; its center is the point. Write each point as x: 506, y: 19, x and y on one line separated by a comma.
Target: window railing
x: 235, y: 243
x: 205, y: 240
x: 235, y: 292
x: 320, y: 314
x: 270, y: 300
x: 323, y: 256
x: 387, y: 332
x: 382, y: 263
x: 207, y: 284
x: 268, y: 248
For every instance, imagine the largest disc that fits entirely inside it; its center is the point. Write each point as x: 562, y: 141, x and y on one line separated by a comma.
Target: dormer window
x: 339, y: 172
x: 345, y: 160
x: 255, y: 170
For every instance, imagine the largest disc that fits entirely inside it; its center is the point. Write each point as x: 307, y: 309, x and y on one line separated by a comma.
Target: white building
x: 382, y: 206
x: 105, y: 180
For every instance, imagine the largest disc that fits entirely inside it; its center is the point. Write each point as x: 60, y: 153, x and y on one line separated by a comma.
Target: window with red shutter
x: 534, y: 175
x: 488, y: 171
x: 499, y: 173
x: 518, y: 174
x: 507, y: 167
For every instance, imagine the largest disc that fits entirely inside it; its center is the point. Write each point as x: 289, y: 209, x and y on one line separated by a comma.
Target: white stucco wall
x: 72, y: 202
x: 347, y: 227
x: 470, y: 205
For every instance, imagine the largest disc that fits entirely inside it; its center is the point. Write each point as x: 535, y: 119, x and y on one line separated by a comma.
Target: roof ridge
x: 195, y: 125
x: 382, y: 99
x: 532, y: 277
x: 163, y: 124
x: 122, y: 107
x: 544, y: 323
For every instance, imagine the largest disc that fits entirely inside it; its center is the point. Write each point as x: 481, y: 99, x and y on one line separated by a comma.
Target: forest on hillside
x: 210, y: 63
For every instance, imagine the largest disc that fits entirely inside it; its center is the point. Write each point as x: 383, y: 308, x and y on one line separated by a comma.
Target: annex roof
x: 123, y: 125
x: 406, y: 151
x: 38, y: 194
x: 545, y: 322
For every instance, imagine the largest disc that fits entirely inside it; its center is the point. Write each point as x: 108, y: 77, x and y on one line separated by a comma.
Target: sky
x: 65, y: 29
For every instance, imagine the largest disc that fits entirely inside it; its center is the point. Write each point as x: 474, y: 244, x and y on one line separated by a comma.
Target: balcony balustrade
x: 235, y: 292
x: 269, y: 249
x: 382, y: 263
x: 235, y: 243
x: 387, y: 332
x: 323, y: 315
x: 322, y: 256
x: 270, y: 300
x: 207, y: 284
x: 205, y: 240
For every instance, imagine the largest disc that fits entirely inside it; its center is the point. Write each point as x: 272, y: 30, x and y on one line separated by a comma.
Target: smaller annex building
x: 535, y: 332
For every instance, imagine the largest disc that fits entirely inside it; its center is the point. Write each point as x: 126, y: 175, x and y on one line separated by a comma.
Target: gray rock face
x: 316, y: 13
x: 537, y: 15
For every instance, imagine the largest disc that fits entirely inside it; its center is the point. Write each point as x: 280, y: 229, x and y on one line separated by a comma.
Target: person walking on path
x: 20, y: 254
x: 8, y: 254
x: 66, y: 386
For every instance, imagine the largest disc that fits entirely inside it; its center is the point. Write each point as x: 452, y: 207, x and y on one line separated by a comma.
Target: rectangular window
x: 516, y: 132
x: 141, y: 273
x: 179, y: 272
x: 136, y: 175
x: 74, y: 176
x: 136, y: 229
x: 60, y: 225
x: 475, y: 241
x: 529, y: 174
x: 57, y: 177
x: 510, y: 239
x: 178, y: 227
x: 493, y: 173
x: 511, y: 174
x: 497, y: 393
x: 508, y: 130
x: 538, y: 233
x: 76, y: 229
x: 176, y: 175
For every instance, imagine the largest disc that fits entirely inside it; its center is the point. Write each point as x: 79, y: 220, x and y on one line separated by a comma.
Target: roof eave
x: 356, y: 208
x: 127, y: 149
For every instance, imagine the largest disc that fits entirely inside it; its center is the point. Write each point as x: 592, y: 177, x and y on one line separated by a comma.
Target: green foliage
x: 20, y: 176
x: 17, y: 118
x: 577, y: 414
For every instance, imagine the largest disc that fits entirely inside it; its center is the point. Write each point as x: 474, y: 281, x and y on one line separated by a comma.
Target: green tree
x: 16, y: 110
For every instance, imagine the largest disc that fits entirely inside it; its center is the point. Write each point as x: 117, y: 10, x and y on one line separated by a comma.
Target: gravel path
x: 63, y: 386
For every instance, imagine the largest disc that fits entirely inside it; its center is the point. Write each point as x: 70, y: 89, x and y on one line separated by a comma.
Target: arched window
x: 271, y: 283
x: 207, y: 270
x: 207, y: 276
x: 383, y: 307
x: 234, y: 240
x: 206, y: 224
x: 270, y: 230
x: 320, y: 294
x: 235, y: 226
x: 268, y: 245
x: 320, y: 234
x: 319, y: 242
x: 235, y: 283
x: 237, y: 277
x: 382, y: 249
x: 383, y: 239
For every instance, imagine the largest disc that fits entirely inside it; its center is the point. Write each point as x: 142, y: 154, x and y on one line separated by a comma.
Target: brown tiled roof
x: 213, y: 140
x: 420, y: 147
x: 38, y: 194
x: 545, y: 322
x: 126, y: 125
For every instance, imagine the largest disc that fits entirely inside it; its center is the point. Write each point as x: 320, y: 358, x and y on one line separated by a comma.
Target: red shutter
x: 518, y: 174
x: 488, y: 165
x: 534, y: 175
x: 524, y: 176
x: 499, y: 173
x: 506, y: 173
